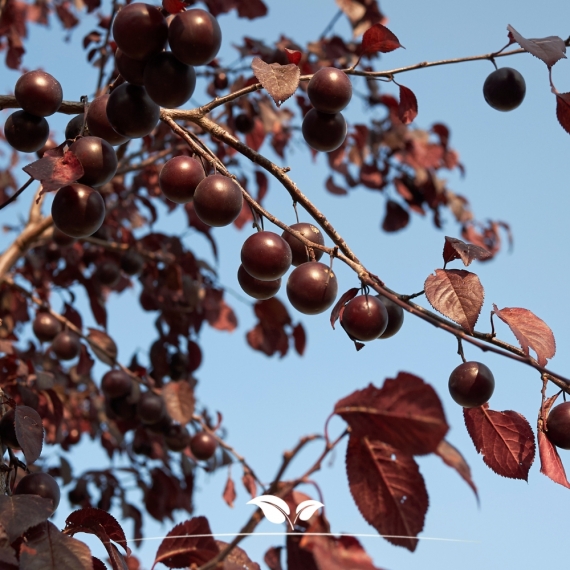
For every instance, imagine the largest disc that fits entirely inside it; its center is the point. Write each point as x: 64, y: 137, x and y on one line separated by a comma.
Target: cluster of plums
x: 324, y: 127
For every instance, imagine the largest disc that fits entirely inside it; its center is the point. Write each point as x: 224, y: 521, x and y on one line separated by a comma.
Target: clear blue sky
x: 516, y: 171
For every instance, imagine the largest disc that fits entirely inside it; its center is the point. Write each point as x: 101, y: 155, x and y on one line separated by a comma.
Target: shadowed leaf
x: 237, y: 559
x: 408, y: 105
x: 505, y: 440
x: 388, y: 489
x: 94, y: 521
x: 280, y: 81
x: 55, y: 171
x: 182, y: 552
x: 273, y: 558
x: 457, y: 294
x: 347, y: 296
x: 378, y: 38
x: 467, y: 252
x: 299, y: 339
x: 550, y: 49
x: 18, y: 513
x: 452, y: 457
x: 405, y: 413
x: 29, y: 432
x: 333, y: 188
x: 530, y: 332
x: 179, y: 400
x: 229, y: 494
x: 563, y: 110
x: 396, y: 217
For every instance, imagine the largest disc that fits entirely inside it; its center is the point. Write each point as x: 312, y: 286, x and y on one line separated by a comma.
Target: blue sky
x: 516, y: 171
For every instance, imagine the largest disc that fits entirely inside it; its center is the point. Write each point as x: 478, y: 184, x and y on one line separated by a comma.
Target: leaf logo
x: 277, y: 511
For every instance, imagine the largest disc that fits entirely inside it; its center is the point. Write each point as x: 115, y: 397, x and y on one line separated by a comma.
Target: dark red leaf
x: 280, y: 81
x: 530, y: 332
x: 563, y: 110
x: 98, y: 564
x: 457, y: 249
x: 396, y: 217
x: 251, y: 9
x: 273, y: 312
x: 550, y: 49
x: 224, y: 319
x: 55, y: 172
x: 298, y: 558
x: 378, y: 38
x: 273, y: 558
x: 408, y: 105
x: 67, y: 18
x: 249, y: 483
x: 457, y: 294
x: 29, y: 432
x: 85, y: 363
x: 255, y: 137
x: 94, y: 521
x: 505, y: 440
x: 182, y: 552
x: 237, y: 559
x: 333, y: 188
x: 229, y: 495
x: 299, y: 338
x: 405, y: 413
x: 452, y: 457
x: 344, y: 299
x: 72, y: 315
x: 293, y: 56
x: 344, y: 553
x: 18, y: 513
x: 173, y: 6
x: 179, y: 400
x: 262, y: 185
x: 388, y: 489
x: 46, y: 548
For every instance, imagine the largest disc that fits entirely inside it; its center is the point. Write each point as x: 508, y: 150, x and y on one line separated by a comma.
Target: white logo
x: 277, y: 511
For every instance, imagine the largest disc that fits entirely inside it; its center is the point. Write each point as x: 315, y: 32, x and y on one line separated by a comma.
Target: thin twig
x: 16, y: 194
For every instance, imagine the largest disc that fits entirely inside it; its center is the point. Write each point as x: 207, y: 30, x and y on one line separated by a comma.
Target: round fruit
x: 49, y: 145
x: 8, y: 430
x: 38, y: 93
x: 131, y: 112
x: 74, y: 127
x: 179, y: 178
x: 298, y: 249
x: 194, y: 356
x: 132, y: 262
x: 25, y: 132
x: 557, y: 425
x: 266, y: 256
x: 41, y: 484
x: 195, y: 37
x: 203, y: 445
x: 150, y: 408
x: 322, y: 131
x: 329, y: 90
x: 257, y: 288
x: 108, y: 273
x: 177, y: 438
x: 395, y: 317
x: 78, y: 210
x: 116, y: 383
x: 98, y: 159
x: 364, y: 318
x: 312, y: 288
x: 168, y: 81
x: 131, y: 70
x: 244, y: 123
x: 217, y: 200
x: 504, y: 89
x: 46, y: 327
x: 66, y: 345
x: 140, y: 30
x: 471, y: 384
x: 98, y: 123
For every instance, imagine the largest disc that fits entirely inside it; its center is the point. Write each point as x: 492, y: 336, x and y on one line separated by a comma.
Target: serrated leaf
x: 274, y: 508
x: 18, y: 513
x: 280, y: 81
x: 186, y: 550
x: 530, y: 332
x: 179, y: 400
x: 456, y: 249
x: 457, y: 294
x: 408, y: 105
x: 563, y: 110
x: 379, y: 38
x: 405, y: 413
x: 451, y: 456
x: 550, y: 49
x: 388, y: 489
x: 505, y: 439
x: 99, y: 522
x: 55, y: 172
x: 306, y: 509
x: 29, y: 432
